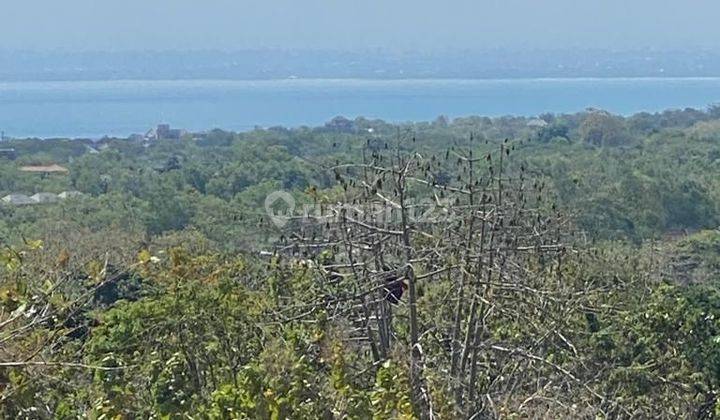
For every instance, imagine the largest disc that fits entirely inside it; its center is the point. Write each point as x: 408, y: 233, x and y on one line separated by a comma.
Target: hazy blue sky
x: 391, y: 24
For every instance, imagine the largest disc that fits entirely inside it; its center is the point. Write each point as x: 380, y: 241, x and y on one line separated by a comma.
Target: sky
x: 417, y: 25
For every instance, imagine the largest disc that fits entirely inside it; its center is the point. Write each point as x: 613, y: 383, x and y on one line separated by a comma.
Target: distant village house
x: 164, y: 132
x: 39, y: 198
x: 69, y: 194
x: 537, y: 123
x: 17, y: 200
x: 8, y: 154
x: 45, y: 198
x: 45, y: 169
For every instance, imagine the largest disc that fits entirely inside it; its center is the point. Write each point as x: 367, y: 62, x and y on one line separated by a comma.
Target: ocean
x: 93, y: 109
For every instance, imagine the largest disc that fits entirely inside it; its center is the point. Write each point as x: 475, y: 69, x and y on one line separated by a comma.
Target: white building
x: 70, y: 194
x: 17, y: 200
x: 45, y: 198
x: 537, y: 123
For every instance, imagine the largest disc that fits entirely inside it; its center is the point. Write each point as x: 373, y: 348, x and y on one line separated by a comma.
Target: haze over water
x: 120, y: 108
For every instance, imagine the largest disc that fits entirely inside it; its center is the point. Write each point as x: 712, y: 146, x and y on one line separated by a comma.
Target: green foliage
x: 198, y: 328
x: 667, y: 344
x: 602, y: 129
x: 703, y: 248
x: 664, y: 177
x: 556, y: 130
x: 391, y: 395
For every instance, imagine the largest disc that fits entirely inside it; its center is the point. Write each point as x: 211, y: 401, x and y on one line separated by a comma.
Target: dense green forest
x: 565, y: 266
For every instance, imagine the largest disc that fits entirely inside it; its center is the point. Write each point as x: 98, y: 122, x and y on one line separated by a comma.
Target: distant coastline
x: 120, y: 108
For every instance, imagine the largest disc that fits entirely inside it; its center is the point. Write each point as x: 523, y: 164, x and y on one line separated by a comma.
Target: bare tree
x: 487, y: 239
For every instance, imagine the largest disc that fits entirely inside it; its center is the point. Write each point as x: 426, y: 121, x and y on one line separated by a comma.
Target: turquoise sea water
x: 97, y: 108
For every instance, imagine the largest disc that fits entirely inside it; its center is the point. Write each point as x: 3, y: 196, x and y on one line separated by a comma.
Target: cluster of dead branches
x: 465, y: 258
